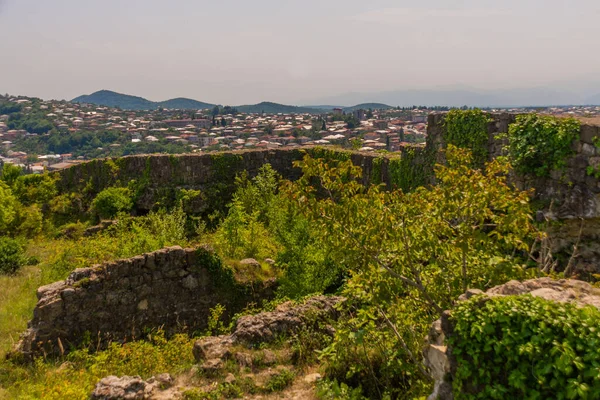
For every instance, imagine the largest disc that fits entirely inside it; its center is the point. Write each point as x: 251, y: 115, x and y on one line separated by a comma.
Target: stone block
x: 589, y: 132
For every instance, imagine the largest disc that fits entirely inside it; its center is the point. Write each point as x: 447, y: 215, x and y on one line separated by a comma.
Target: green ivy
x: 409, y: 171
x: 469, y: 129
x: 538, y: 144
x: 329, y: 154
x: 524, y: 347
x: 376, y: 172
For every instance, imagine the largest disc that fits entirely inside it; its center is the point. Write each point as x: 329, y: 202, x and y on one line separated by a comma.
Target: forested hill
x: 126, y: 102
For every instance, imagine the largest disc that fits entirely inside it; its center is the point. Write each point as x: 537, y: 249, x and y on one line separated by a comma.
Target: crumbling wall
x: 172, y: 289
x: 569, y: 199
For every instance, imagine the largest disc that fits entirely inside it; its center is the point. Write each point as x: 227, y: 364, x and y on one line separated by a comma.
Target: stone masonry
x: 172, y: 289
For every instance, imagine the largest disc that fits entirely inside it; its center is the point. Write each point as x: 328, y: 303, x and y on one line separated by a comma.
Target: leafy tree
x: 409, y: 256
x: 8, y: 207
x: 11, y: 255
x: 111, y: 201
x: 10, y: 173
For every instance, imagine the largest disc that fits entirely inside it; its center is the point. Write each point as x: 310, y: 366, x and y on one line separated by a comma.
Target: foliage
x: 35, y: 188
x: 111, y: 201
x: 215, y: 324
x: 525, y: 347
x: 280, y: 381
x: 333, y: 390
x: 408, y: 172
x: 410, y: 255
x: 8, y: 207
x: 12, y: 256
x: 75, y: 379
x: 468, y: 129
x: 243, y: 233
x: 539, y: 144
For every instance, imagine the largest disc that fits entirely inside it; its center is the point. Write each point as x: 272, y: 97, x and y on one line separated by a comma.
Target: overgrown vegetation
x: 525, y: 348
x: 469, y: 129
x: 400, y: 256
x: 539, y: 144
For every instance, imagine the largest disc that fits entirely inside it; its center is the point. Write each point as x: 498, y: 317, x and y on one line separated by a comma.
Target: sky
x: 292, y: 51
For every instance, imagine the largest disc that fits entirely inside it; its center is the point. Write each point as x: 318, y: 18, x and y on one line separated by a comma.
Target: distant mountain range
x: 126, y: 102
x: 460, y: 96
x: 451, y: 97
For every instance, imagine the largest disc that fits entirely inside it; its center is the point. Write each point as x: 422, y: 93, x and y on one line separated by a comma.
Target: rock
x: 126, y: 387
x: 230, y: 378
x: 244, y: 360
x: 162, y: 381
x: 269, y: 261
x: 250, y: 262
x: 213, y: 365
x: 212, y: 347
x: 269, y: 357
x: 312, y: 378
x: 286, y: 318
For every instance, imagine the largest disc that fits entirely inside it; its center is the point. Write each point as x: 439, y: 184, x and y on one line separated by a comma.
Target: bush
x: 111, y: 201
x: 11, y: 255
x: 522, y: 347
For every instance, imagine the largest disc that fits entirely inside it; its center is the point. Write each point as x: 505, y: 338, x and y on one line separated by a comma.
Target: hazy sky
x: 245, y: 51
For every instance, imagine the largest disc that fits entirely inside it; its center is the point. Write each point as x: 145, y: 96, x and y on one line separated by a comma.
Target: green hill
x: 185, y: 104
x: 276, y: 108
x: 366, y: 106
x: 126, y: 102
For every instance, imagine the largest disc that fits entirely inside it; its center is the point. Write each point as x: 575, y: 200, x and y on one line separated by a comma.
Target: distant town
x: 42, y: 135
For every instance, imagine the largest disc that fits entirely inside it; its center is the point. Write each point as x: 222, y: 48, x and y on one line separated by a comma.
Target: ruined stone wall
x: 570, y: 199
x: 158, y: 177
x: 172, y: 289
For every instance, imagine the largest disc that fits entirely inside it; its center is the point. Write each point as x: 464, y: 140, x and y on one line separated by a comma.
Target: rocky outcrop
x: 172, y: 289
x: 251, y: 330
x: 130, y: 387
x: 438, y: 357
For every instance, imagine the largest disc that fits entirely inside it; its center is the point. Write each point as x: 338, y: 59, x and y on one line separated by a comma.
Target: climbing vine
x: 409, y: 171
x: 469, y: 129
x: 538, y: 144
x: 376, y: 172
x: 523, y: 347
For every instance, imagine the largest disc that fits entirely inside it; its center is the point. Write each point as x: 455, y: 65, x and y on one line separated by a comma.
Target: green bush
x: 521, y: 347
x: 111, y: 201
x: 11, y: 255
x: 539, y: 144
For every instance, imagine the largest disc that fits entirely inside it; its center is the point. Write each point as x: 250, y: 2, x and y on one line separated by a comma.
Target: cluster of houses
x: 200, y: 130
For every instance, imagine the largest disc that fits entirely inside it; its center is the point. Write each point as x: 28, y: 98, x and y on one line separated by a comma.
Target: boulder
x: 130, y: 387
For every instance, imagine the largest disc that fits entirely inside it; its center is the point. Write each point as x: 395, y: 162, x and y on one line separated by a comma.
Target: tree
x: 410, y: 255
x: 111, y: 201
x: 8, y: 207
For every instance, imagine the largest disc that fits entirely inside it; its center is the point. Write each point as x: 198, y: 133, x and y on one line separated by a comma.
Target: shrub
x: 111, y: 201
x: 522, y: 347
x: 11, y: 255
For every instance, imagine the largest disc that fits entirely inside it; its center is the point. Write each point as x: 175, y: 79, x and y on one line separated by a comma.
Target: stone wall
x: 160, y: 176
x: 569, y: 199
x: 172, y: 289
